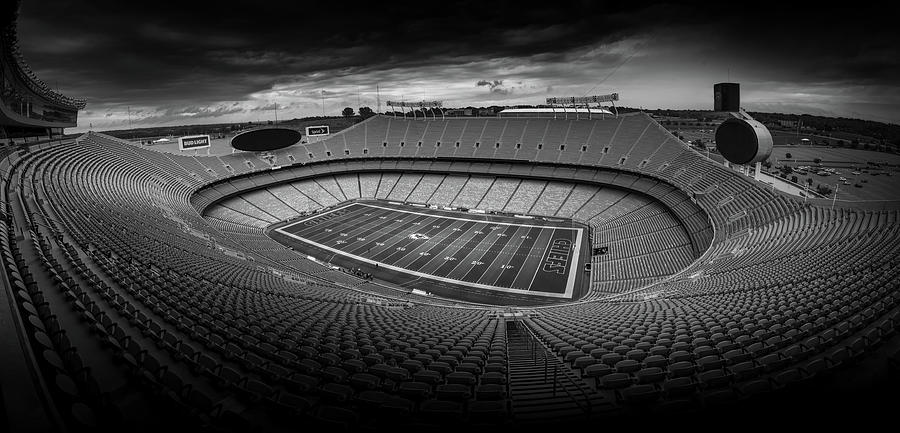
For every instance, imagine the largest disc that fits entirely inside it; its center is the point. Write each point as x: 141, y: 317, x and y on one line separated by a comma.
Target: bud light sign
x: 193, y: 142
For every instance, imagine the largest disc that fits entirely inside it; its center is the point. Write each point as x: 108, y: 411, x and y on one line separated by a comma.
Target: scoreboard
x: 193, y: 142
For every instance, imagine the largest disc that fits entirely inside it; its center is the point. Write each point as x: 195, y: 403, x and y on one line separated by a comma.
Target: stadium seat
x: 490, y: 392
x: 453, y: 392
x: 639, y: 394
x: 615, y: 381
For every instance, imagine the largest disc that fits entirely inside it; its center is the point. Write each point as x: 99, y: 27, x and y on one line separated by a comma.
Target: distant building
x: 727, y: 97
x: 458, y: 112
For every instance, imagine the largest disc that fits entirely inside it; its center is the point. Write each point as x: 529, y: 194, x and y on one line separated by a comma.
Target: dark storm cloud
x: 138, y: 51
x: 200, y: 53
x: 812, y: 43
x: 495, y: 86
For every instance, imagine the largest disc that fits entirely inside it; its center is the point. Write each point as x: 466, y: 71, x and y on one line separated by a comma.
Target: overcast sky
x: 207, y: 62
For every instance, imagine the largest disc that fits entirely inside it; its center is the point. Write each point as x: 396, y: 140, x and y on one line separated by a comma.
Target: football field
x: 478, y: 251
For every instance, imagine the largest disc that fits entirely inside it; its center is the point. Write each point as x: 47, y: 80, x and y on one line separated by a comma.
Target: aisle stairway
x: 542, y: 388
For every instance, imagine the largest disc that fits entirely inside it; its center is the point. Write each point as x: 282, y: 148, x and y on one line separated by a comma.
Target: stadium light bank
x: 421, y: 105
x: 575, y: 102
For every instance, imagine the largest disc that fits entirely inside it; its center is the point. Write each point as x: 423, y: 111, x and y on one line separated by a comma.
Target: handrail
x: 507, y: 387
x: 533, y: 342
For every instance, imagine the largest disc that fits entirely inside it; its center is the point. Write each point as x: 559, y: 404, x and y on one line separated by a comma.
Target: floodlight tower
x: 422, y: 105
x: 575, y: 101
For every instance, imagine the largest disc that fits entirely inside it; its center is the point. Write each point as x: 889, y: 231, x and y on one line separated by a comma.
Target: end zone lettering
x: 558, y: 256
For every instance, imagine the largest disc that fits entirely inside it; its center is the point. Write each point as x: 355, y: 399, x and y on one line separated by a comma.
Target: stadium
x: 520, y: 271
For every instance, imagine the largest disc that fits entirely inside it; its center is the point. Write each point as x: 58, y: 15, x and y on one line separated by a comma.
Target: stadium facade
x: 29, y: 108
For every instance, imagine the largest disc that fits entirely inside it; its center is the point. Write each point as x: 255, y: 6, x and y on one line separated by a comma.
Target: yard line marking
x: 475, y: 253
x: 542, y: 236
x: 435, y: 245
x: 404, y: 241
x: 424, y: 275
x: 396, y: 235
x: 388, y: 236
x: 452, y: 249
x: 338, y: 225
x: 495, y: 256
x: 525, y: 260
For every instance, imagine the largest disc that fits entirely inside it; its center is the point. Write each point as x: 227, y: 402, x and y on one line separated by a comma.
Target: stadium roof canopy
x: 553, y: 112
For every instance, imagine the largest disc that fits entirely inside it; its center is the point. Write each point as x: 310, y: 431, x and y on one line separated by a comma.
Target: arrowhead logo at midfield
x: 418, y: 237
